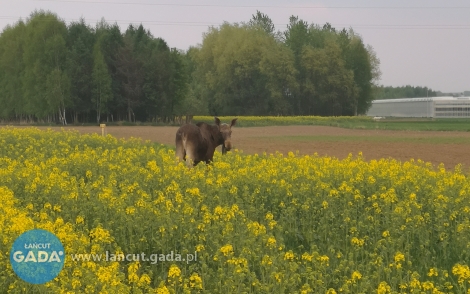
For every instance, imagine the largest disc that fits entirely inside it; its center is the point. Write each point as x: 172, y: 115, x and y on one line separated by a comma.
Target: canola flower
x: 259, y: 223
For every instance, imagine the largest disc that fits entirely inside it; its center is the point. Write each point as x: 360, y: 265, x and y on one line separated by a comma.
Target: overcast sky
x: 419, y: 42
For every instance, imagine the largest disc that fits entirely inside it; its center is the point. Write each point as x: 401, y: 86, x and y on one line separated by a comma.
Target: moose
x: 196, y: 143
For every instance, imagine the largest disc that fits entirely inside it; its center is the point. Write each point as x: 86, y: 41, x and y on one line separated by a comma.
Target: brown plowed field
x: 450, y: 148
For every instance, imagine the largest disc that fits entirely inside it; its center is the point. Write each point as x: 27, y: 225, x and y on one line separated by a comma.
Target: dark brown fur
x: 196, y: 143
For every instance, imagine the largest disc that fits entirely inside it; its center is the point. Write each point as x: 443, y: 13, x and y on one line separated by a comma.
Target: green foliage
x: 52, y: 72
x: 80, y: 43
x: 11, y: 70
x: 243, y: 70
x: 102, y: 83
x: 407, y: 91
x: 332, y: 96
x: 335, y: 70
x: 263, y: 22
x: 44, y: 60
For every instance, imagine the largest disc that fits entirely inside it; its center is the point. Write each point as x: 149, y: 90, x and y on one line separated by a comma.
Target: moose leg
x: 190, y: 156
x: 179, y: 148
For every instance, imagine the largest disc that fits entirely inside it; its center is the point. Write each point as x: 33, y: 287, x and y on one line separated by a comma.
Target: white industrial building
x: 435, y: 107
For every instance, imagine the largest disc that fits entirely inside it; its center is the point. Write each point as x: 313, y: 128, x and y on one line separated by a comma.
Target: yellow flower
x: 132, y: 272
x: 106, y: 274
x: 76, y: 283
x: 306, y: 289
x: 257, y: 228
x: 194, y: 192
x: 266, y: 260
x: 324, y: 259
x: 399, y: 257
x: 289, y: 255
x: 144, y: 280
x: 462, y: 272
x: 278, y: 277
x: 415, y: 284
x: 227, y: 249
x: 79, y: 220
x: 43, y: 216
x: 357, y: 242
x: 195, y: 281
x: 271, y: 243
x: 307, y: 256
x: 162, y: 290
x: 233, y: 190
x: 218, y: 210
x: 432, y: 272
x: 356, y: 276
x: 130, y: 210
x: 383, y: 288
x: 269, y: 216
x: 174, y: 271
x: 235, y: 208
x: 101, y: 235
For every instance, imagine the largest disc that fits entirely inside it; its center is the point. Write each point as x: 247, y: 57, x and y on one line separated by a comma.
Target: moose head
x: 225, y: 134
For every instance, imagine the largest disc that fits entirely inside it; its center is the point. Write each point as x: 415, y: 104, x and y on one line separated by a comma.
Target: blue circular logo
x: 37, y: 256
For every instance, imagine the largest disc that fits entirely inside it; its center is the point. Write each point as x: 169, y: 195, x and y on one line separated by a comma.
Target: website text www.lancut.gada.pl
x: 141, y: 257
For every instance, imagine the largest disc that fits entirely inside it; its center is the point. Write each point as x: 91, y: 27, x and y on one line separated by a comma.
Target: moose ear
x: 217, y: 120
x: 233, y: 122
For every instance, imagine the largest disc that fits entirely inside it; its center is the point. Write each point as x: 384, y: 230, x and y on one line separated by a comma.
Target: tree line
x: 407, y: 91
x: 383, y: 92
x: 51, y: 71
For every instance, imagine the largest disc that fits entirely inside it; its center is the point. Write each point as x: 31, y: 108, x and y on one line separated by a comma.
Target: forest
x: 51, y: 71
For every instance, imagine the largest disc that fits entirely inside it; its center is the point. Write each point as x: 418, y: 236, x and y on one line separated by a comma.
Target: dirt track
x: 269, y: 139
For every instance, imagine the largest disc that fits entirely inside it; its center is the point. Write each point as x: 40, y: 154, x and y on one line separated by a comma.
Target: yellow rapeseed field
x: 267, y: 223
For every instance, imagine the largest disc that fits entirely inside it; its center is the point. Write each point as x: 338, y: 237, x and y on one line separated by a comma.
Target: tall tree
x: 131, y: 74
x: 58, y: 92
x: 102, y: 83
x: 44, y: 58
x: 237, y: 65
x: 263, y: 22
x: 111, y: 40
x: 330, y: 88
x: 157, y: 80
x: 359, y: 61
x: 80, y: 43
x: 11, y: 71
x: 296, y: 37
x: 193, y: 102
x: 179, y: 79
